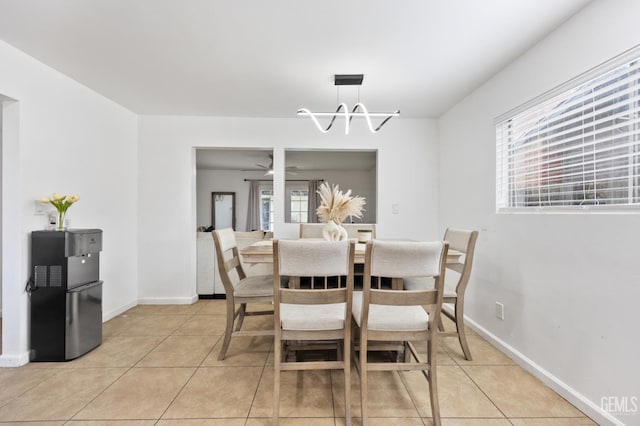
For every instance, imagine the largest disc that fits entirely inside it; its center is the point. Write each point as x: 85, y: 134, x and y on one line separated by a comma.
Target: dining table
x: 262, y: 252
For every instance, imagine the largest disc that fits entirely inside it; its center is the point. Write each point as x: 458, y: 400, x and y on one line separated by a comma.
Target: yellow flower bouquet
x: 62, y: 204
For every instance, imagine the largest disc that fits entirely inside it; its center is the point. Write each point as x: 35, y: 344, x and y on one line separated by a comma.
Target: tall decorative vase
x: 60, y: 224
x: 334, y: 232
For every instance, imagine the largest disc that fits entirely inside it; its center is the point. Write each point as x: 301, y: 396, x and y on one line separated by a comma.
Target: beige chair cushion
x: 400, y: 318
x: 313, y: 258
x: 255, y: 286
x: 398, y: 259
x: 312, y: 317
x: 458, y: 239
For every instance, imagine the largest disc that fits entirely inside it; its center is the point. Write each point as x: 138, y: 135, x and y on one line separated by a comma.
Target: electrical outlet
x: 500, y: 311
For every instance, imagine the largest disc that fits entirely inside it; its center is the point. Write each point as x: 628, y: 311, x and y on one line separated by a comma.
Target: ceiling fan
x: 291, y: 170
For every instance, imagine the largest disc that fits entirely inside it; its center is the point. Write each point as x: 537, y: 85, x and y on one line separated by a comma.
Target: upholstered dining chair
x: 463, y: 241
x: 311, y: 230
x: 239, y: 288
x: 313, y: 315
x: 314, y: 230
x: 384, y: 317
x: 353, y: 228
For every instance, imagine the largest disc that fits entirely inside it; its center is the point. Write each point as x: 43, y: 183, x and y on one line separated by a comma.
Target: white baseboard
x: 591, y: 409
x: 106, y: 316
x: 168, y: 300
x: 14, y: 360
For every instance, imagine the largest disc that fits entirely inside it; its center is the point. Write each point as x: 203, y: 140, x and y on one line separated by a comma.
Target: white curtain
x: 313, y: 200
x: 253, y: 212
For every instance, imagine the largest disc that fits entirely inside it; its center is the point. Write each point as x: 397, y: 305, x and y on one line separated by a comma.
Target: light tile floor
x: 158, y: 365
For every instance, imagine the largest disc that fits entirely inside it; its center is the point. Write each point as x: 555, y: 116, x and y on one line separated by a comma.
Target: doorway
x: 13, y: 298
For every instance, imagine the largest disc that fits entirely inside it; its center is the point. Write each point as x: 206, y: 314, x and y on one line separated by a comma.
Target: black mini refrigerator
x: 65, y: 293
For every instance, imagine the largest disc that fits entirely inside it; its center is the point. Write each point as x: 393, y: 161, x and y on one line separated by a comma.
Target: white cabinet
x: 207, y: 266
x: 208, y: 279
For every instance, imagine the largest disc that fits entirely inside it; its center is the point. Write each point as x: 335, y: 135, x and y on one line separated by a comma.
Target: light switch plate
x: 39, y: 209
x: 500, y: 311
x: 395, y: 208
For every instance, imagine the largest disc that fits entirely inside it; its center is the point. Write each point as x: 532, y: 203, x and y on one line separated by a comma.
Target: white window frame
x: 526, y: 155
x: 289, y: 211
x: 269, y: 227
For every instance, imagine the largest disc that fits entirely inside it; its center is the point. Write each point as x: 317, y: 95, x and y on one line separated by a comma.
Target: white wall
x: 68, y: 139
x: 0, y: 207
x: 569, y: 282
x: 407, y: 175
x: 361, y: 182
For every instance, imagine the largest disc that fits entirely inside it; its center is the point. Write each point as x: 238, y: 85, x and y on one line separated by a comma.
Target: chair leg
x: 433, y: 393
x: 407, y: 352
x: 347, y: 380
x: 462, y: 337
x: 228, y: 331
x: 277, y: 356
x: 364, y: 397
x: 241, y: 312
x: 433, y: 384
x: 441, y: 325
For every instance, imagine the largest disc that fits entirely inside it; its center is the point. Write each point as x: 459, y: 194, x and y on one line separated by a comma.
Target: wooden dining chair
x: 314, y: 230
x: 353, y: 228
x: 311, y: 230
x: 384, y: 317
x: 240, y: 289
x: 463, y: 241
x: 311, y: 315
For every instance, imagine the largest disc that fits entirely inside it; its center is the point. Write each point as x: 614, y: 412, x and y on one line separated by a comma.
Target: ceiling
x: 258, y: 58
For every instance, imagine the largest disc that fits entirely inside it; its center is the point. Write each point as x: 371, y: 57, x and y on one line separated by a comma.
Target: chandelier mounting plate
x: 348, y: 79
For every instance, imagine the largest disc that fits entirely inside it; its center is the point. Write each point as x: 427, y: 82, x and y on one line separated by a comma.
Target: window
x: 299, y: 205
x: 579, y: 147
x: 297, y: 202
x: 266, y: 209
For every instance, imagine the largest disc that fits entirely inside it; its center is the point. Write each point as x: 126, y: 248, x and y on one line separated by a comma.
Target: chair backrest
x: 353, y: 228
x: 404, y: 259
x: 304, y: 258
x: 314, y: 230
x: 228, y: 259
x: 311, y: 230
x: 463, y: 241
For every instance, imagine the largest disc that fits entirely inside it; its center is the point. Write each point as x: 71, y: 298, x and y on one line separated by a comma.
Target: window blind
x: 578, y: 148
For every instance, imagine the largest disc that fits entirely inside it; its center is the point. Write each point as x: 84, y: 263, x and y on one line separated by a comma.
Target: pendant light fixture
x: 358, y: 110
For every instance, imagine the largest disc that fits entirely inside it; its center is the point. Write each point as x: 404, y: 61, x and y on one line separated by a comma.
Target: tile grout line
x: 411, y: 395
x: 255, y: 393
x: 190, y: 376
x: 177, y: 393
x: 485, y: 394
x: 57, y: 372
x: 127, y: 369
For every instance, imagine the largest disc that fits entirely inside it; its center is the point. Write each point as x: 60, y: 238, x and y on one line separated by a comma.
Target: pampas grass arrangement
x: 337, y: 206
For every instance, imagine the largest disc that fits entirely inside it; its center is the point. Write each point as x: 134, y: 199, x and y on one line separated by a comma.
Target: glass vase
x: 60, y: 224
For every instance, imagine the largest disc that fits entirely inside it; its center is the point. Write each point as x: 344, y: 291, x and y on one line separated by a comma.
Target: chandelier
x: 358, y: 110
